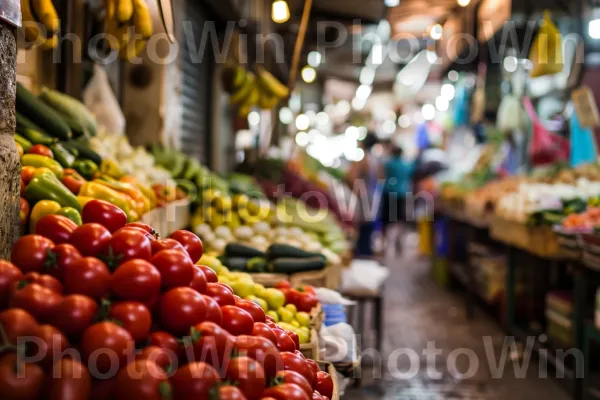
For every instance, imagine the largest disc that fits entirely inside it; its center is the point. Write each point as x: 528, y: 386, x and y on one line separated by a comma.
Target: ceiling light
x: 314, y: 59
x: 358, y: 103
x: 342, y: 108
x: 428, y: 112
x: 309, y: 74
x: 367, y: 76
x: 302, y: 122
x: 389, y: 127
x: 404, y: 121
x: 392, y: 3
x: 352, y: 133
x: 448, y: 91
x: 453, y: 76
x: 301, y: 139
x: 441, y: 103
x: 286, y: 116
x: 363, y: 92
x: 463, y: 3
x: 254, y: 118
x: 436, y: 32
x: 362, y: 133
x: 280, y: 12
x: 322, y: 118
x: 510, y: 63
x: 594, y: 29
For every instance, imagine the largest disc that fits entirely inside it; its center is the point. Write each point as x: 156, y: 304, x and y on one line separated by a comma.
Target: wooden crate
x: 330, y: 369
x: 510, y: 232
x: 333, y: 280
x: 317, y: 316
x: 311, y: 350
x: 166, y: 220
x: 313, y: 278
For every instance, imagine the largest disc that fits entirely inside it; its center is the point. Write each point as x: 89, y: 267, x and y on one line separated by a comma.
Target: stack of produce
x: 145, y: 319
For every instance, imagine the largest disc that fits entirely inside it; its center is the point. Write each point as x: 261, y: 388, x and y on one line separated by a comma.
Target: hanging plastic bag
x: 545, y: 147
x: 546, y: 51
x: 99, y: 98
x: 511, y: 116
x: 583, y: 146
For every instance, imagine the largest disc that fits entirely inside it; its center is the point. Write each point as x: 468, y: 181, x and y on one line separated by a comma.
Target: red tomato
x: 283, y: 285
x: 190, y: 242
x: 145, y: 227
x: 49, y: 343
x: 284, y: 342
x: 211, y: 276
x: 162, y: 357
x: 88, y: 276
x: 221, y: 293
x: 69, y: 379
x: 194, y: 381
x: 324, y: 384
x: 295, y: 363
x: 39, y: 301
x: 295, y: 378
x: 106, y: 341
x: 175, y: 267
x: 8, y: 275
x: 27, y: 173
x: 30, y: 251
x: 60, y: 258
x: 181, y: 308
x: 166, y: 244
x: 256, y: 311
x: 199, y: 281
x: 304, y: 301
x: 295, y: 338
x: 249, y: 376
x: 261, y: 329
x: 41, y: 150
x: 286, y: 391
x: 104, y: 389
x: 136, y: 280
x: 20, y: 380
x: 17, y: 323
x: 210, y: 344
x: 127, y: 244
x: 314, y: 367
x: 134, y: 317
x: 299, y: 354
x: 261, y: 350
x: 142, y: 379
x: 74, y: 314
x: 164, y: 340
x: 237, y: 321
x: 56, y: 228
x: 213, y: 310
x: 90, y: 239
x: 103, y: 213
x: 46, y: 281
x: 317, y: 396
x: 230, y: 393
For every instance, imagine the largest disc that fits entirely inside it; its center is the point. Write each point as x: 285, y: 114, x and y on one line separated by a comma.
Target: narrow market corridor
x: 417, y: 312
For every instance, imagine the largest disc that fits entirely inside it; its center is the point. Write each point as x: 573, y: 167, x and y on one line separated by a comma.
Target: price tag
x: 10, y: 12
x: 585, y: 107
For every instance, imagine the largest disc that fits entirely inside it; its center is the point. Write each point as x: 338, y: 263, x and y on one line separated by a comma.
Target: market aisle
x: 417, y: 312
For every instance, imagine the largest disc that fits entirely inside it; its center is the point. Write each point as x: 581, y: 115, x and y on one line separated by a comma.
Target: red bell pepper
x: 72, y: 180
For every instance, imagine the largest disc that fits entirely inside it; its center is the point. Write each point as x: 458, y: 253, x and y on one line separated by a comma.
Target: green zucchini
x: 240, y: 250
x: 256, y: 264
x: 84, y: 150
x: 72, y: 110
x: 280, y: 250
x: 41, y: 114
x: 38, y: 137
x: 289, y: 265
x: 235, y: 263
x: 62, y: 155
x: 26, y: 144
x: 25, y: 123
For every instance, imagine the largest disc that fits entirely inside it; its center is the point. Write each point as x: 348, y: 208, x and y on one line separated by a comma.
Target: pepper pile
x: 147, y: 322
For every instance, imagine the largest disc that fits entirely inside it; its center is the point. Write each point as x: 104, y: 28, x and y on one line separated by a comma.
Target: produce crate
x: 165, y: 220
x: 541, y: 241
x: 313, y: 278
x: 317, y: 316
x: 330, y: 369
x: 334, y: 277
x: 268, y: 279
x: 311, y: 350
x: 569, y: 243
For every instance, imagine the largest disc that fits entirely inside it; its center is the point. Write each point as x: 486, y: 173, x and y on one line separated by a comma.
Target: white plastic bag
x: 328, y: 296
x: 364, y: 276
x: 99, y: 98
x: 339, y: 343
x: 511, y: 115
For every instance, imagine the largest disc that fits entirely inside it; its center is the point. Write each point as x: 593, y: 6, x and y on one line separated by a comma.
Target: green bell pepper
x: 62, y: 155
x: 46, y: 186
x: 72, y: 214
x: 23, y: 142
x: 86, y: 168
x: 39, y: 161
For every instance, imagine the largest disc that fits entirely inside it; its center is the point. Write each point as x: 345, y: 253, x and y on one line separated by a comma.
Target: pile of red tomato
x: 107, y: 310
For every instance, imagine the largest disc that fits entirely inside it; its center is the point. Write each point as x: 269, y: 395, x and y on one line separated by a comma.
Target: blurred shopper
x: 364, y: 179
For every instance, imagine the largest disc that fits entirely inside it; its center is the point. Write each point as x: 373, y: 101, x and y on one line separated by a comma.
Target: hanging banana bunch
x: 130, y: 24
x: 40, y: 23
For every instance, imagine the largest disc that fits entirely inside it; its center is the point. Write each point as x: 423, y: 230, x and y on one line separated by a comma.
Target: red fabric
x: 545, y: 147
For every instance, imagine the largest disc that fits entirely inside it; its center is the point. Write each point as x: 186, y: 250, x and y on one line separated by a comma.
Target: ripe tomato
x: 181, y: 308
x: 164, y: 358
x: 104, y: 389
x: 194, y: 381
x: 283, y: 285
x: 210, y: 344
x: 230, y: 393
x: 142, y: 379
x: 41, y: 150
x: 314, y: 367
x: 59, y: 259
x: 199, y: 281
x: 190, y: 242
x: 106, y: 341
x: 127, y: 244
x: 257, y: 313
x: 140, y: 225
x: 286, y: 391
x: 261, y: 350
x: 175, y: 267
x: 166, y: 244
x: 237, y: 321
x: 136, y: 280
x: 69, y: 379
x: 39, y: 301
x: 211, y: 276
x: 317, y: 396
x: 296, y: 363
x: 49, y: 343
x: 261, y: 329
x: 134, y: 317
x: 29, y: 252
x: 88, y: 276
x: 46, y: 281
x: 213, y: 310
x: 295, y: 338
x: 8, y: 275
x: 74, y: 314
x: 284, y: 342
x: 20, y: 380
x: 295, y: 378
x: 104, y: 213
x: 221, y: 293
x: 164, y: 340
x: 90, y: 239
x: 56, y: 228
x: 249, y: 375
x: 324, y: 384
x: 16, y: 323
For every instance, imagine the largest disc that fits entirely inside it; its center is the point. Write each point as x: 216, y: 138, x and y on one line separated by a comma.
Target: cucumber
x: 38, y: 137
x: 41, y: 114
x: 235, y: 263
x: 73, y: 111
x: 25, y: 123
x: 289, y: 265
x: 62, y: 155
x: 279, y: 250
x: 240, y: 250
x: 26, y: 144
x: 83, y: 150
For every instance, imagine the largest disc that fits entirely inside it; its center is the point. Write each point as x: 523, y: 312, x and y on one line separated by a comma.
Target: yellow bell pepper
x: 141, y: 206
x: 41, y: 209
x: 102, y: 192
x: 83, y: 200
x: 148, y: 193
x: 111, y: 168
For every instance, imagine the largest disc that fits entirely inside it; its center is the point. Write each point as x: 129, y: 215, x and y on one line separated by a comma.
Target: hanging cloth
x: 545, y: 147
x: 546, y: 50
x: 583, y: 146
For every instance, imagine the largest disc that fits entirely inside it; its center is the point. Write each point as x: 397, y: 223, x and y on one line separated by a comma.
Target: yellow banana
x: 30, y: 25
x: 124, y: 10
x: 46, y: 14
x: 142, y: 20
x: 111, y: 8
x: 244, y: 110
x: 133, y: 49
x: 267, y: 101
x: 243, y: 91
x: 271, y: 84
x: 50, y: 43
x: 122, y: 35
x: 239, y: 77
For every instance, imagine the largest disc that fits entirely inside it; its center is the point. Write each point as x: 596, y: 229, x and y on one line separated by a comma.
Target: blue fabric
x: 365, y: 235
x: 461, y: 108
x: 422, y: 135
x: 583, y: 147
x: 398, y: 174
